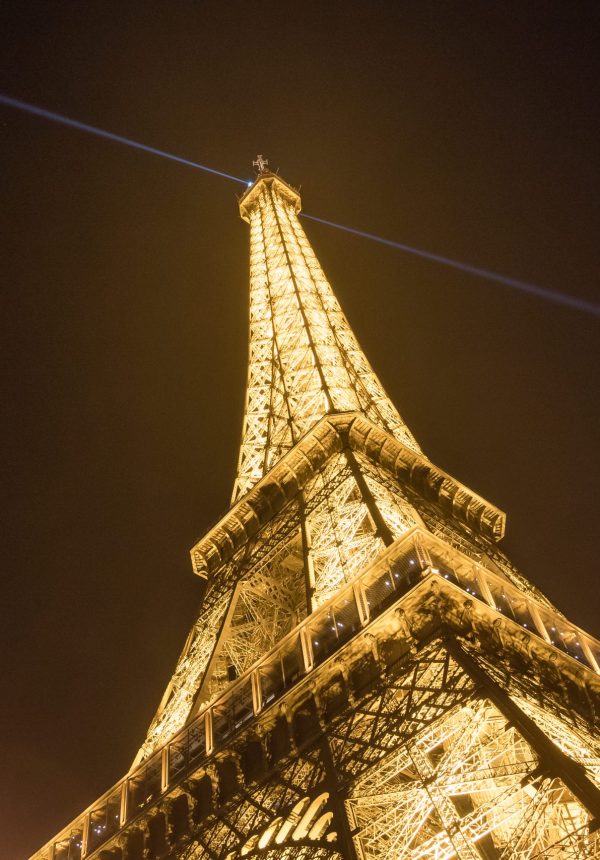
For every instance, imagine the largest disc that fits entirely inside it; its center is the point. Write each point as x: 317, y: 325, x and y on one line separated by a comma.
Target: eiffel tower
x: 369, y: 676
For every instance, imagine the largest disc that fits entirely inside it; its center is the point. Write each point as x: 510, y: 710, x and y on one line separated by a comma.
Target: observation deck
x: 420, y: 588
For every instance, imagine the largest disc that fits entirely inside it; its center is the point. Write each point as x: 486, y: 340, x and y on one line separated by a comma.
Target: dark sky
x: 465, y: 128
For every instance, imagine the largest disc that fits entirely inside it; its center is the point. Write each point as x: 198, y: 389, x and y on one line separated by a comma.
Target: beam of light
x: 541, y: 292
x: 109, y: 135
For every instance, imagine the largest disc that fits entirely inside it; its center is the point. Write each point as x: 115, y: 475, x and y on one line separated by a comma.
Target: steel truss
x: 407, y: 726
x: 304, y: 359
x: 369, y: 676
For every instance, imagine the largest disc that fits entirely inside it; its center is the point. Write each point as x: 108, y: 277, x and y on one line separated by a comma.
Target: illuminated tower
x: 369, y: 676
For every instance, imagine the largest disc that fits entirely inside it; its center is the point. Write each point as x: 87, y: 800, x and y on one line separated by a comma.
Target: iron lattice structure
x: 369, y: 677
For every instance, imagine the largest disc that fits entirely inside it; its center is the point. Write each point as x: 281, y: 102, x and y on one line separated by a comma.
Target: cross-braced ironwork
x: 369, y: 676
x: 304, y: 359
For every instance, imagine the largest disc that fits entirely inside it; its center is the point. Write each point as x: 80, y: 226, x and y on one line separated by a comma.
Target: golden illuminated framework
x: 369, y: 677
x: 304, y: 360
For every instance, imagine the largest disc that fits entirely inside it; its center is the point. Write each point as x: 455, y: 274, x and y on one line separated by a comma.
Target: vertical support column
x: 337, y: 797
x: 537, y: 620
x: 589, y: 654
x: 484, y: 587
x: 208, y: 731
x: 85, y: 835
x: 361, y: 602
x: 307, y: 651
x: 164, y: 768
x: 381, y: 527
x: 256, y: 692
x: 123, y: 805
x: 309, y: 568
x: 422, y: 554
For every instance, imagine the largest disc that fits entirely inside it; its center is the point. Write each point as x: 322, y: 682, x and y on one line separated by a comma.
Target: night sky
x: 468, y: 129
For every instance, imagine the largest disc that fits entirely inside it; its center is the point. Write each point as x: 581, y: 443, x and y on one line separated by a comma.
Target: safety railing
x: 514, y: 604
x: 393, y: 574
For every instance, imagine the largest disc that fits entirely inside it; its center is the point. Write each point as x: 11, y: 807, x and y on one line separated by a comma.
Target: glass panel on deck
x: 144, y: 786
x: 323, y: 635
x: 594, y: 647
x: 379, y: 589
x: 292, y: 660
x: 406, y: 570
x: 445, y: 568
x: 511, y: 603
x: 196, y: 740
x: 272, y: 683
x: 564, y: 636
x: 230, y: 713
x: 70, y: 848
x: 500, y: 596
x: 104, y: 820
x: 520, y: 610
x: 347, y: 619
x: 178, y: 757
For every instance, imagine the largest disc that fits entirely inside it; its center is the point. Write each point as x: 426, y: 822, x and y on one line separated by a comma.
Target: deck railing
x: 414, y: 556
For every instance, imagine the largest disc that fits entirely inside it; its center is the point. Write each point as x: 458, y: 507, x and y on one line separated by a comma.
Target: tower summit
x: 369, y: 676
x: 304, y: 361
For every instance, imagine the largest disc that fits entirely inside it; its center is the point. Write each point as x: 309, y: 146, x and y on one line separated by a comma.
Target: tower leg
x: 557, y: 762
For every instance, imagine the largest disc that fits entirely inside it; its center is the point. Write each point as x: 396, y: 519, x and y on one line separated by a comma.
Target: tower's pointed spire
x: 304, y: 360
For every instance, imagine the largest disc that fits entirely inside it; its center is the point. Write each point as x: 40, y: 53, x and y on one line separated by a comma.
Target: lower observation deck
x: 419, y: 583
